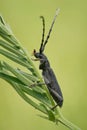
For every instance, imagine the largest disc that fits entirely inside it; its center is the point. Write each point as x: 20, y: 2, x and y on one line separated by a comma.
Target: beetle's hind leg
x: 54, y: 107
x: 36, y: 84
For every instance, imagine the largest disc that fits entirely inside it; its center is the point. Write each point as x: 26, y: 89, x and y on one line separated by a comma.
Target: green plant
x: 23, y: 81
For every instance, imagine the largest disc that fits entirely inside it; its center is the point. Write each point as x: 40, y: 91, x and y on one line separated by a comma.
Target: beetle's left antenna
x: 50, y: 30
x: 42, y: 41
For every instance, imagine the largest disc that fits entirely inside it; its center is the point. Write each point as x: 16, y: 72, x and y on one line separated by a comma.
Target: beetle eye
x: 34, y: 51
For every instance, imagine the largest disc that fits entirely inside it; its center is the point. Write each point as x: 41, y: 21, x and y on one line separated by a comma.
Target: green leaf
x: 15, y: 58
x: 42, y: 97
x: 9, y: 77
x: 25, y: 97
x: 12, y: 49
x: 17, y: 74
x: 29, y: 76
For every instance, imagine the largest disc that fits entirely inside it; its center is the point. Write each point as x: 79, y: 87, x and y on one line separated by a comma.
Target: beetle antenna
x: 50, y: 30
x: 42, y: 41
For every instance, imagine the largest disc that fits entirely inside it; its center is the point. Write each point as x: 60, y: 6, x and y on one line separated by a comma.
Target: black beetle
x: 47, y: 72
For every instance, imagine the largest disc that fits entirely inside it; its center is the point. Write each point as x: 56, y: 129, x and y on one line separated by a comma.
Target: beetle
x: 47, y: 72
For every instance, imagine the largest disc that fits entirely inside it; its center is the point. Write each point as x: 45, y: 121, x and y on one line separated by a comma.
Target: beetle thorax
x: 44, y: 63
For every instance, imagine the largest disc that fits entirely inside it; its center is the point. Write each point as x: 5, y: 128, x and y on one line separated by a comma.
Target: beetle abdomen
x: 53, y: 86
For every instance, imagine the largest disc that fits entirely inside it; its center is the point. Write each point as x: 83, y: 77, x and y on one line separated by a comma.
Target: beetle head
x: 37, y: 55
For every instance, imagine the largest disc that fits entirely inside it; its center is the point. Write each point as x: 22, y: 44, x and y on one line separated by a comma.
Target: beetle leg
x: 54, y: 107
x: 37, y: 59
x: 36, y: 84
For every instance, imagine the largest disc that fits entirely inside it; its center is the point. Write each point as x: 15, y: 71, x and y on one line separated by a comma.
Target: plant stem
x: 66, y: 123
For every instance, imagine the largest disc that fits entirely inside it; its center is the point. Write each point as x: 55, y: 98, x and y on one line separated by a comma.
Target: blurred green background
x: 66, y: 51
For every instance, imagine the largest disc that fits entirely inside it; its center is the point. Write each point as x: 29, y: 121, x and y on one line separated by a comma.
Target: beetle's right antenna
x: 42, y: 41
x: 50, y: 30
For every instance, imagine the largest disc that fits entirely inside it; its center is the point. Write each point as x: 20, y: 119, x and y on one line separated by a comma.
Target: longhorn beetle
x: 47, y: 73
